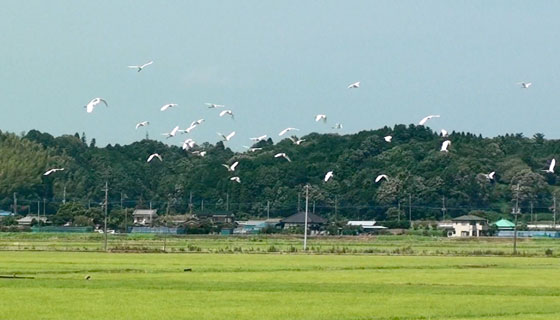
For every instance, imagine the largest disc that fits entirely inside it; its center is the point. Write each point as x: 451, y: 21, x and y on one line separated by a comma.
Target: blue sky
x: 277, y: 64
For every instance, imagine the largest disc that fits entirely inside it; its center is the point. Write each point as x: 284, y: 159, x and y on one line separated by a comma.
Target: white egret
x: 232, y: 167
x: 154, y: 155
x: 354, y: 85
x: 228, y: 112
x: 52, y: 171
x: 388, y: 138
x: 381, y: 176
x: 213, y: 105
x: 489, y: 176
x: 251, y: 149
x: 197, y: 122
x: 445, y: 145
x: 199, y: 153
x: 286, y: 130
x: 444, y: 133
x: 337, y: 126
x: 93, y: 103
x: 167, y: 106
x: 236, y: 179
x: 328, y: 176
x: 320, y: 117
x: 258, y: 139
x: 551, y: 167
x: 283, y: 155
x: 142, y: 66
x: 142, y: 124
x: 172, y: 133
x: 296, y: 141
x: 525, y: 85
x: 228, y: 137
x: 425, y: 119
x: 188, y: 144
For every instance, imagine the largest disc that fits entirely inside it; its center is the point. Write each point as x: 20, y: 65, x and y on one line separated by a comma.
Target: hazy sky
x: 277, y: 64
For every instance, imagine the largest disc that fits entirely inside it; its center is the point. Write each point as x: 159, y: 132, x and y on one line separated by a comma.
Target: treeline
x: 421, y: 177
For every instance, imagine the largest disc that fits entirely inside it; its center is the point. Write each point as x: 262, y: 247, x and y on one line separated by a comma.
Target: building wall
x: 466, y: 229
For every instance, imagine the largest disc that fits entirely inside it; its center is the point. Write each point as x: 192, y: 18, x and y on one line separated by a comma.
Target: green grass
x: 276, y: 286
x: 378, y: 245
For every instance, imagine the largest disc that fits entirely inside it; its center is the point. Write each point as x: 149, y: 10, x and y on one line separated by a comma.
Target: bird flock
x: 188, y: 144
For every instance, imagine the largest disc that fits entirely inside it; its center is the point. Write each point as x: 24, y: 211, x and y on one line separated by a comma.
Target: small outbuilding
x: 314, y: 222
x: 504, y: 224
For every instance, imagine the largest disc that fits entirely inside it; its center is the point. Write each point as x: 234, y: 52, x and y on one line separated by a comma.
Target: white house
x: 144, y: 217
x: 468, y: 226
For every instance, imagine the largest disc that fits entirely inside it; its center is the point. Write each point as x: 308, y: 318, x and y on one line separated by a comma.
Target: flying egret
x: 93, y: 103
x: 444, y: 133
x: 52, y: 171
x: 296, y: 141
x: 228, y: 112
x: 489, y: 176
x: 445, y: 145
x: 172, y: 133
x: 189, y: 129
x: 525, y: 85
x: 381, y: 176
x: 199, y: 153
x: 197, y: 122
x: 337, y: 126
x: 328, y: 176
x: 428, y: 118
x: 354, y: 85
x: 251, y: 149
x: 283, y: 155
x: 154, y: 155
x: 167, y: 106
x: 286, y: 130
x: 213, y: 105
x: 259, y: 139
x: 228, y: 137
x: 142, y: 124
x: 551, y: 167
x: 388, y: 138
x: 142, y: 66
x: 236, y: 179
x: 188, y: 144
x: 232, y: 167
x: 320, y: 117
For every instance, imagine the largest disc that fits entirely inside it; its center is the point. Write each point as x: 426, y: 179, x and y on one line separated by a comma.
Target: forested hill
x: 413, y: 162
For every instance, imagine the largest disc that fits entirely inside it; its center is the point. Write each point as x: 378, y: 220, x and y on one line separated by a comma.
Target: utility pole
x: 64, y: 195
x: 443, y: 209
x: 305, y: 222
x: 410, y: 210
x: 44, y: 206
x: 335, y: 208
x: 150, y: 204
x: 399, y: 208
x: 15, y: 204
x: 268, y: 210
x: 554, y: 213
x: 515, y: 212
x: 38, y: 208
x: 313, y: 206
x: 227, y: 201
x: 298, y: 200
x: 202, y: 206
x: 106, y: 205
x: 532, y: 217
x: 190, y: 203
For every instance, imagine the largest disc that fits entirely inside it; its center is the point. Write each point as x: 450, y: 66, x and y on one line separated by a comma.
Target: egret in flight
x: 354, y: 85
x: 282, y: 155
x: 142, y: 66
x: 52, y: 171
x: 232, y: 167
x: 154, y: 155
x: 328, y: 176
x: 93, y: 103
x: 287, y: 130
x: 228, y: 137
x: 424, y: 120
x: 167, y: 106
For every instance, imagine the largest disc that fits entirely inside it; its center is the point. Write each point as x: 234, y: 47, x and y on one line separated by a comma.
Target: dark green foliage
x: 413, y: 162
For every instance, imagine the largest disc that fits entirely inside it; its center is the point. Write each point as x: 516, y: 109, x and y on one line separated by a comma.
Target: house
x: 144, y: 217
x: 504, y: 224
x: 367, y: 226
x: 5, y: 214
x: 314, y: 222
x: 28, y: 220
x: 217, y: 217
x: 255, y: 226
x: 468, y: 226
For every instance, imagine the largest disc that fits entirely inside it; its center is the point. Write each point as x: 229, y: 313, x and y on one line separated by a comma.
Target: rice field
x: 215, y: 283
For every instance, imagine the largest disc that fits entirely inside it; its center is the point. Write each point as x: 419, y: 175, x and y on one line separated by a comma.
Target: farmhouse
x: 314, y: 222
x: 468, y: 226
x: 144, y: 217
x: 28, y: 220
x: 368, y: 226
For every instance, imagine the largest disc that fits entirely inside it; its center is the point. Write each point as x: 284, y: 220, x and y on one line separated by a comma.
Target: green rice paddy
x: 250, y: 284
